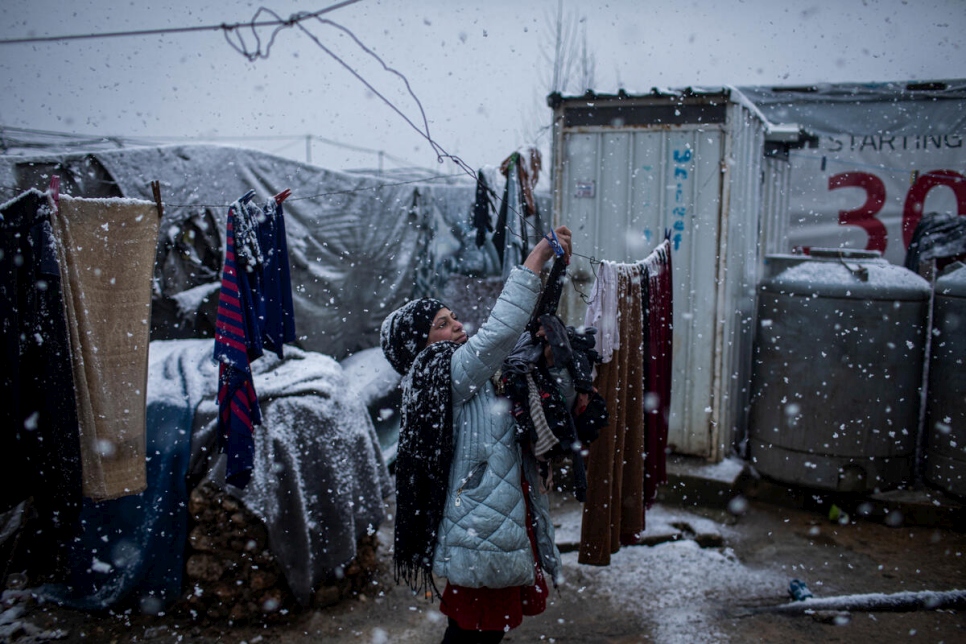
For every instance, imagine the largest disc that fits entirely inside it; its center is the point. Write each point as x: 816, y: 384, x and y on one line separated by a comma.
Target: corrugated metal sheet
x: 623, y: 175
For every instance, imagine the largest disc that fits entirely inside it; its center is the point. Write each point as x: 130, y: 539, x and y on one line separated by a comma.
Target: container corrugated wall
x: 945, y: 455
x: 621, y: 180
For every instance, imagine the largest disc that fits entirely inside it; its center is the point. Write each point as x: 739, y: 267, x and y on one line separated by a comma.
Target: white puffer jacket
x: 483, y: 537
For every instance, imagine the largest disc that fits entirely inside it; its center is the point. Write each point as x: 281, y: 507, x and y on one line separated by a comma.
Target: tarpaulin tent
x: 359, y: 244
x: 881, y: 155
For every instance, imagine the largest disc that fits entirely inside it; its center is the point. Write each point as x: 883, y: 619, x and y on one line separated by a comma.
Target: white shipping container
x: 627, y: 169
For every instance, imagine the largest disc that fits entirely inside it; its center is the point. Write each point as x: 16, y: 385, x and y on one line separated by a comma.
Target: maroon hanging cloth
x: 658, y: 316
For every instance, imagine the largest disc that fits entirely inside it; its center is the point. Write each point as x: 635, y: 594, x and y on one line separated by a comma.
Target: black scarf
x: 423, y: 464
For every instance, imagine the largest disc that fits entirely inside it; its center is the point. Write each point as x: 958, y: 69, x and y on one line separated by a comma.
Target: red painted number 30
x: 875, y: 196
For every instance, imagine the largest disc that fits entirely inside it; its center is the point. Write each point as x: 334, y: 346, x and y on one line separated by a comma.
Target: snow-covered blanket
x: 319, y: 479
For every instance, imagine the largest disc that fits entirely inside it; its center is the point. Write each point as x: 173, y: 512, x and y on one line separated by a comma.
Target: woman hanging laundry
x: 461, y: 474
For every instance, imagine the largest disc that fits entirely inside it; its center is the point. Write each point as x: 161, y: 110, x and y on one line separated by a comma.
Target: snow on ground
x: 676, y: 587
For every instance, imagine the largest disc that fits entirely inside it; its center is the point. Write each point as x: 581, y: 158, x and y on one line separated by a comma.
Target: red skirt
x: 498, y: 609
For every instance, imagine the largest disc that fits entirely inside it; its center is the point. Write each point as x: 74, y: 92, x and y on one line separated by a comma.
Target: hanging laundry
x: 529, y: 165
x: 40, y: 455
x: 659, y: 342
x: 614, y: 512
x: 510, y: 236
x: 627, y: 462
x: 106, y: 250
x: 254, y: 311
x: 602, y: 312
x: 553, y: 400
x: 276, y: 294
x: 482, y: 207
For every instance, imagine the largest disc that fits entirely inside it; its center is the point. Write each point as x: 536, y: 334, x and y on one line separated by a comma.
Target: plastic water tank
x: 945, y: 454
x: 838, y: 370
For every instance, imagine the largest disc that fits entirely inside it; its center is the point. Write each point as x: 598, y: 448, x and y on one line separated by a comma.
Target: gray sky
x: 479, y: 69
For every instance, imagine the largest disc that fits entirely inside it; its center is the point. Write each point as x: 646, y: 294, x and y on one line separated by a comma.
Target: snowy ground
x: 675, y: 587
x: 709, y: 576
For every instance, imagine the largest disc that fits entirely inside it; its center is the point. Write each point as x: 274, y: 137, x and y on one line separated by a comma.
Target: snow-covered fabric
x: 318, y: 478
x: 275, y: 296
x: 405, y: 331
x: 483, y: 538
x: 106, y: 250
x: 510, y: 236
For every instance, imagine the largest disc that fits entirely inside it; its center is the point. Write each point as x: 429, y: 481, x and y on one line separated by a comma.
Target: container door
x: 623, y: 189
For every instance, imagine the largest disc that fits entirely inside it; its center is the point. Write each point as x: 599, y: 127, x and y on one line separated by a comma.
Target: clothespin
x: 54, y: 190
x: 247, y: 197
x: 282, y: 196
x: 156, y: 190
x: 554, y: 243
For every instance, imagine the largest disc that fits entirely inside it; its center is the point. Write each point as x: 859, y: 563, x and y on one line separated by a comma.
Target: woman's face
x: 446, y: 327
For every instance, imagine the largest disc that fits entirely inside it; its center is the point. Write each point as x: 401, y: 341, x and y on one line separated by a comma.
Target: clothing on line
x: 628, y: 461
x: 106, y: 250
x: 255, y: 311
x: 38, y: 417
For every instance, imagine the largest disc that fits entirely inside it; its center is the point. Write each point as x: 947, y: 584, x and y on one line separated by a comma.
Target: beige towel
x: 106, y: 249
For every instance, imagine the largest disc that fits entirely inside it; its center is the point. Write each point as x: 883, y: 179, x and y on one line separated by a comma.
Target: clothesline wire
x: 235, y: 37
x: 334, y: 193
x: 594, y: 261
x: 279, y: 22
x: 296, y: 20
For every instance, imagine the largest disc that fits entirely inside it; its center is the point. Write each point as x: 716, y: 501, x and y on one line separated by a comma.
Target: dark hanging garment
x: 237, y: 342
x: 276, y: 292
x: 481, y: 209
x: 40, y: 455
x: 500, y: 234
x: 658, y: 342
x: 255, y: 311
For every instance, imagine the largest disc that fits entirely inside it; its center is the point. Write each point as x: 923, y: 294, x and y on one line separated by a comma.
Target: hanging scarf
x: 423, y: 464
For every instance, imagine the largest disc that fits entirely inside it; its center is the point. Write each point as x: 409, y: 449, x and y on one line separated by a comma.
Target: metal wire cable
x: 226, y: 28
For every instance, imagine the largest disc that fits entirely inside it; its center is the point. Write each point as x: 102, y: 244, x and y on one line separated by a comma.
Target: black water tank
x: 838, y: 369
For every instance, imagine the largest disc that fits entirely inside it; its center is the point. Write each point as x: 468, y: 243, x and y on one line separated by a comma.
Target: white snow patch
x: 675, y: 587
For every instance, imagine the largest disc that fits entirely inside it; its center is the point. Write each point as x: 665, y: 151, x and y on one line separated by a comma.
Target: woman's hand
x: 543, y: 251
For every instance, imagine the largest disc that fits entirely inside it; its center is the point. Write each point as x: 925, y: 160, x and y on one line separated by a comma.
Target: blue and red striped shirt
x: 254, y: 310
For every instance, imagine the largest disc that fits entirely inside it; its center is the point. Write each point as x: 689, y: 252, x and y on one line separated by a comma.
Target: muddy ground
x: 708, y: 576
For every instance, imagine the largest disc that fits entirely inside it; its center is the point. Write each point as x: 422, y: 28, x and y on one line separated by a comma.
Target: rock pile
x: 231, y: 574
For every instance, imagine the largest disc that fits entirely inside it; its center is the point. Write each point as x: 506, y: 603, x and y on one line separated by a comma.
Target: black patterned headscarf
x: 425, y: 452
x: 405, y: 331
x: 423, y: 462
